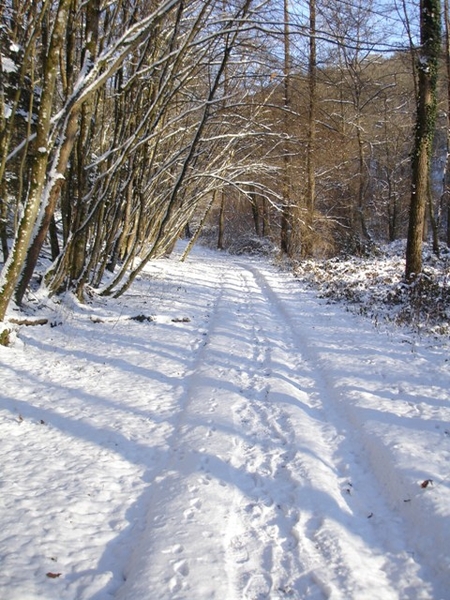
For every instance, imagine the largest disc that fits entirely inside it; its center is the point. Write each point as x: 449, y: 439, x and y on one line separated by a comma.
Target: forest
x: 224, y: 299
x: 318, y: 126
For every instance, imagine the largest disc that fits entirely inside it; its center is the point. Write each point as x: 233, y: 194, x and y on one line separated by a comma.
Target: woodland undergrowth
x: 374, y: 286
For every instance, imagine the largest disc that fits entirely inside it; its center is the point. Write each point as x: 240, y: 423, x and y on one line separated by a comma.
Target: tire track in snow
x: 334, y: 527
x: 261, y: 521
x: 262, y: 495
x: 162, y: 556
x: 272, y: 460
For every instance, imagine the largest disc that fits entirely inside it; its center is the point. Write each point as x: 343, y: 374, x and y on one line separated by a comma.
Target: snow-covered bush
x: 374, y: 286
x: 252, y: 244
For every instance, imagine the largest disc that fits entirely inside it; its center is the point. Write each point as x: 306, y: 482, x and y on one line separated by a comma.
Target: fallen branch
x: 28, y: 321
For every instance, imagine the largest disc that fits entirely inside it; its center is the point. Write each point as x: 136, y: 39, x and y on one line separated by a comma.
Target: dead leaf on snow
x: 426, y: 483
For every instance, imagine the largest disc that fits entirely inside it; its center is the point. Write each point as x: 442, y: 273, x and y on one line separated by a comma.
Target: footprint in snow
x: 195, y: 503
x: 206, y: 480
x: 188, y: 514
x: 238, y: 550
x: 258, y: 587
x: 175, y: 549
x: 175, y: 585
x: 181, y: 567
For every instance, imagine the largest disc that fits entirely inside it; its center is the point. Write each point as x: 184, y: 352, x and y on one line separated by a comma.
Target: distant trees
x: 343, y: 97
x: 349, y: 123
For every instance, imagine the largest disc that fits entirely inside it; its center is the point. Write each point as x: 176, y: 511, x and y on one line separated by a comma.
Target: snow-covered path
x: 249, y: 442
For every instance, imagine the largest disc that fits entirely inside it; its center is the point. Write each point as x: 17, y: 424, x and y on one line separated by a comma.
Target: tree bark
x: 53, y: 196
x: 255, y: 210
x: 12, y: 269
x: 220, y: 236
x: 310, y: 159
x: 430, y: 28
x: 286, y: 210
x: 446, y: 178
x: 63, y: 156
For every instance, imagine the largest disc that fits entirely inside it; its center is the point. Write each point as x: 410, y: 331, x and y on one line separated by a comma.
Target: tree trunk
x: 286, y: 211
x: 434, y: 222
x: 266, y: 229
x: 53, y: 196
x: 13, y: 267
x: 446, y: 182
x: 430, y: 28
x: 255, y: 210
x: 198, y: 231
x: 310, y: 159
x: 53, y: 235
x: 220, y: 236
x: 361, y: 183
x: 63, y: 155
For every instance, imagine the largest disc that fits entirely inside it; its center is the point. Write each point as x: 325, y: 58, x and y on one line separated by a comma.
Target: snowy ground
x: 248, y: 441
x: 374, y: 286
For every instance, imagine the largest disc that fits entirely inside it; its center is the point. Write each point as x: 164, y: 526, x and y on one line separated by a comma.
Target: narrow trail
x: 263, y: 464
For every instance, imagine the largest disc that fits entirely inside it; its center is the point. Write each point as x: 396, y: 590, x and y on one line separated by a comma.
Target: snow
x: 8, y: 65
x: 222, y: 432
x: 374, y: 286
